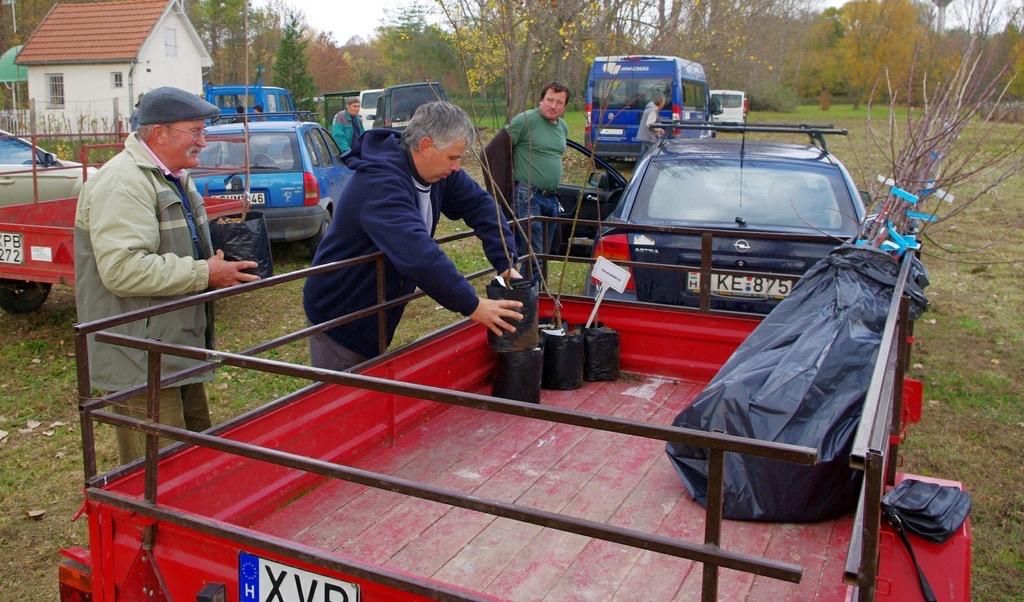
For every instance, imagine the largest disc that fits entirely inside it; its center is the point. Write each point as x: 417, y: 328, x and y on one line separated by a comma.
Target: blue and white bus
x: 619, y: 88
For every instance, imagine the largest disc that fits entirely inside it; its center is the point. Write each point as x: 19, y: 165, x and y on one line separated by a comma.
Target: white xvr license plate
x: 255, y: 198
x: 11, y: 249
x: 728, y: 285
x: 262, y: 580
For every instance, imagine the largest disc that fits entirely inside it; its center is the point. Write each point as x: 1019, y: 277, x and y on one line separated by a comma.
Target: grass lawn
x: 969, y: 352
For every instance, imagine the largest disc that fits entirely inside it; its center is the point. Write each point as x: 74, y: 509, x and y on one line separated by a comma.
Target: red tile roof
x: 97, y: 32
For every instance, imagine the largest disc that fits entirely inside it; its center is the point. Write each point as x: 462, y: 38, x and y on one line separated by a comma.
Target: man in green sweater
x: 538, y: 142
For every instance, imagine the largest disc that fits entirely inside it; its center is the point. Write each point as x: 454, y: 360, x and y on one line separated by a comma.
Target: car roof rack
x: 816, y: 131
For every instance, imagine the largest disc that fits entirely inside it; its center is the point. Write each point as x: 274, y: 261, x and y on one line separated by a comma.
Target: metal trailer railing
x: 709, y: 552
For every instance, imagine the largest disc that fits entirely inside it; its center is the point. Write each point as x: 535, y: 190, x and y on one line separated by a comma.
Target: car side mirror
x: 371, y: 117
x: 47, y: 159
x: 716, y: 106
x: 598, y: 180
x: 865, y: 197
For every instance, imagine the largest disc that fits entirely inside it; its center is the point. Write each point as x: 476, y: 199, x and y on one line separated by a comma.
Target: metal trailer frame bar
x: 874, y: 446
x: 710, y: 554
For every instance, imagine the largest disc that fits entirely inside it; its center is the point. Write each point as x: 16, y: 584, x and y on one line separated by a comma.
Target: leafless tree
x: 932, y: 148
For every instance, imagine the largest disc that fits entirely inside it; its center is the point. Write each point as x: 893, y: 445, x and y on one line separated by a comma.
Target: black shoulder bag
x: 929, y: 510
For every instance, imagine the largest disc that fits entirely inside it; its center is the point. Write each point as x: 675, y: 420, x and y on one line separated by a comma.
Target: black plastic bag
x: 517, y: 375
x: 246, y: 240
x: 800, y: 378
x: 525, y: 336
x: 563, y: 360
x: 601, y: 353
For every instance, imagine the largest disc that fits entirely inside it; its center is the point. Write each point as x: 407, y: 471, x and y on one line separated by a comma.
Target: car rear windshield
x: 370, y: 99
x: 757, y: 194
x: 268, y: 151
x: 629, y: 92
x: 730, y: 101
x: 405, y: 101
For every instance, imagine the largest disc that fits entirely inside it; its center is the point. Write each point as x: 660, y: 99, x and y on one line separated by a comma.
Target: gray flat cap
x: 168, y: 105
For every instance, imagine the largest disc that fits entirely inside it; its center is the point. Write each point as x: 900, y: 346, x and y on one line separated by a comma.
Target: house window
x: 55, y: 89
x: 170, y: 42
x: 116, y: 79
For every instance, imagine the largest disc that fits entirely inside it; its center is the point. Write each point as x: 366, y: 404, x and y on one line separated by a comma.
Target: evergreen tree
x: 291, y: 68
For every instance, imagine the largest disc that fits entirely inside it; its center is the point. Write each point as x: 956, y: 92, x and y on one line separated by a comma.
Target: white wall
x: 88, y: 91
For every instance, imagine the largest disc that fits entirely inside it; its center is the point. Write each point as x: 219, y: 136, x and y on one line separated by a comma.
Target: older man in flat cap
x: 142, y: 238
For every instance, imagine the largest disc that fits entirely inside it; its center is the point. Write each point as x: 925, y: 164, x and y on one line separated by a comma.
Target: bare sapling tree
x: 945, y: 141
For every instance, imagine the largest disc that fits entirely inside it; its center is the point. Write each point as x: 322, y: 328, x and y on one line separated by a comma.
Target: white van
x: 734, y: 105
x: 368, y: 105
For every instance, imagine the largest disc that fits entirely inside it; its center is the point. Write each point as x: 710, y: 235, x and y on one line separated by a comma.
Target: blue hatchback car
x: 295, y: 174
x: 745, y: 190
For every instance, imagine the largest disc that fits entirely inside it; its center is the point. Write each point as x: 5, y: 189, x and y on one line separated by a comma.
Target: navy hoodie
x: 379, y: 211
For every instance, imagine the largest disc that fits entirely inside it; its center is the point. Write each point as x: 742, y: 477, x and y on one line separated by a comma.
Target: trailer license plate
x: 611, y: 131
x: 728, y: 285
x: 262, y: 580
x: 255, y: 198
x: 11, y: 249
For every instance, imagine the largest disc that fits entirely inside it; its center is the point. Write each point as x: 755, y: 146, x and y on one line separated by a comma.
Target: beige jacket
x: 133, y: 249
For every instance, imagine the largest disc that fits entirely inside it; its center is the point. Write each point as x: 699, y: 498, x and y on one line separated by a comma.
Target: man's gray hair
x: 659, y: 98
x: 442, y: 122
x: 351, y: 99
x: 144, y: 132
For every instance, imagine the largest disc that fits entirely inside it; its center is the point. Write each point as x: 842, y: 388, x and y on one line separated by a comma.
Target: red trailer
x: 406, y: 480
x: 37, y: 249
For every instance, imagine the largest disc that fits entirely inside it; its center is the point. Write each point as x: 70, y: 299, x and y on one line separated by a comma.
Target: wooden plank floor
x: 616, y: 479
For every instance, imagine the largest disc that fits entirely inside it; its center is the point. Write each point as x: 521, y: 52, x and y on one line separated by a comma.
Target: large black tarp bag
x: 244, y: 237
x: 800, y: 378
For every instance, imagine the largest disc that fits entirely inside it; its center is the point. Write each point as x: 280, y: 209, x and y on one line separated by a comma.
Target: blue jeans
x: 530, y: 203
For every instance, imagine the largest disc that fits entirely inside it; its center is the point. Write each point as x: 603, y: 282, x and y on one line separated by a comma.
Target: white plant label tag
x: 610, y: 275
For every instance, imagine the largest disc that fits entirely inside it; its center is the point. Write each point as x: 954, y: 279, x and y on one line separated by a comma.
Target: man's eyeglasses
x: 196, y: 135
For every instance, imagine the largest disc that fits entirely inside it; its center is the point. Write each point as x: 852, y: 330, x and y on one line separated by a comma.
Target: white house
x: 87, y: 61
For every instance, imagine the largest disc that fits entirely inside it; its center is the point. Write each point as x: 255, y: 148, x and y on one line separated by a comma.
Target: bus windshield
x: 629, y: 92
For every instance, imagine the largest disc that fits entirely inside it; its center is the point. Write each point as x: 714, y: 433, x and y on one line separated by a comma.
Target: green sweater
x: 537, y: 148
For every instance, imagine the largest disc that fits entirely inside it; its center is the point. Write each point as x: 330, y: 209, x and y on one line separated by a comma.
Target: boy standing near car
x: 142, y: 238
x: 538, y: 143
x: 403, y: 181
x: 348, y: 124
x: 650, y: 136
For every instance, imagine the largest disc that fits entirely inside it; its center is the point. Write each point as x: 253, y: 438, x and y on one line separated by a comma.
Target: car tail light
x: 615, y: 247
x: 746, y: 107
x: 677, y: 112
x: 588, y: 125
x: 310, y: 189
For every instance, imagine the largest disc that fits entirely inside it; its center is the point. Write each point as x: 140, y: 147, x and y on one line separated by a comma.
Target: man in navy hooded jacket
x: 402, y: 183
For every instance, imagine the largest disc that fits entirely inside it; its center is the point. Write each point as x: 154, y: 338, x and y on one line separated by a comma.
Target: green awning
x: 9, y: 72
